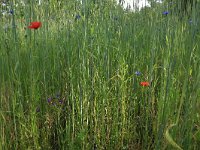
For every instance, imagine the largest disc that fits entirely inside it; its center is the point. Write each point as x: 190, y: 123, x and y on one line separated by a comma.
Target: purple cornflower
x: 165, y: 13
x: 60, y: 101
x: 11, y: 12
x: 49, y: 100
x: 138, y: 73
x: 77, y: 17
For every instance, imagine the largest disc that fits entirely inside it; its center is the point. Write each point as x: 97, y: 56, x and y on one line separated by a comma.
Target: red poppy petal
x: 144, y: 83
x: 35, y: 25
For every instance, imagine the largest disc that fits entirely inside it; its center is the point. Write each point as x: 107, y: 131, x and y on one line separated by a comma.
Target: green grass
x: 90, y: 65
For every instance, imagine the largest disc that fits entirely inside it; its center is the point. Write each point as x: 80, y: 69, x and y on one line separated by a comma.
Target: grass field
x: 95, y: 76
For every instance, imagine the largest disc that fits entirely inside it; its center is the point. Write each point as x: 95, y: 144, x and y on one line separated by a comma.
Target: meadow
x: 94, y: 76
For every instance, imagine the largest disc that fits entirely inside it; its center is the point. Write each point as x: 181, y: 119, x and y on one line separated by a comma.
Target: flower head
x: 49, y: 100
x: 11, y: 12
x: 35, y: 25
x: 77, y: 17
x: 60, y: 101
x: 138, y: 73
x: 144, y: 83
x: 165, y: 13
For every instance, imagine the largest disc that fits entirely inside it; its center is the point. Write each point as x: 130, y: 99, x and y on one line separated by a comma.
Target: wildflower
x: 144, y: 83
x: 137, y: 73
x: 49, y: 100
x: 35, y: 25
x: 55, y: 100
x: 165, y: 13
x: 190, y: 21
x: 77, y: 17
x: 11, y: 12
x: 61, y: 101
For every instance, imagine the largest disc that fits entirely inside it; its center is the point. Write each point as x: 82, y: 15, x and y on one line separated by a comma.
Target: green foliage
x: 183, y: 7
x: 72, y: 83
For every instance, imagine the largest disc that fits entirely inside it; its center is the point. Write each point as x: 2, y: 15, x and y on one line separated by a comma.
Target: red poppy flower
x: 144, y: 83
x: 35, y: 25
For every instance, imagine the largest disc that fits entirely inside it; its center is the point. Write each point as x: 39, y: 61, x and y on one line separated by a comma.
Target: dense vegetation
x: 95, y: 76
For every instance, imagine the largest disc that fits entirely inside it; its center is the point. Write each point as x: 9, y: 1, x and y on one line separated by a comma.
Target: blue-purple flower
x: 55, y: 101
x: 49, y: 100
x: 138, y: 73
x: 61, y: 101
x: 77, y: 17
x: 165, y: 13
x: 11, y: 12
